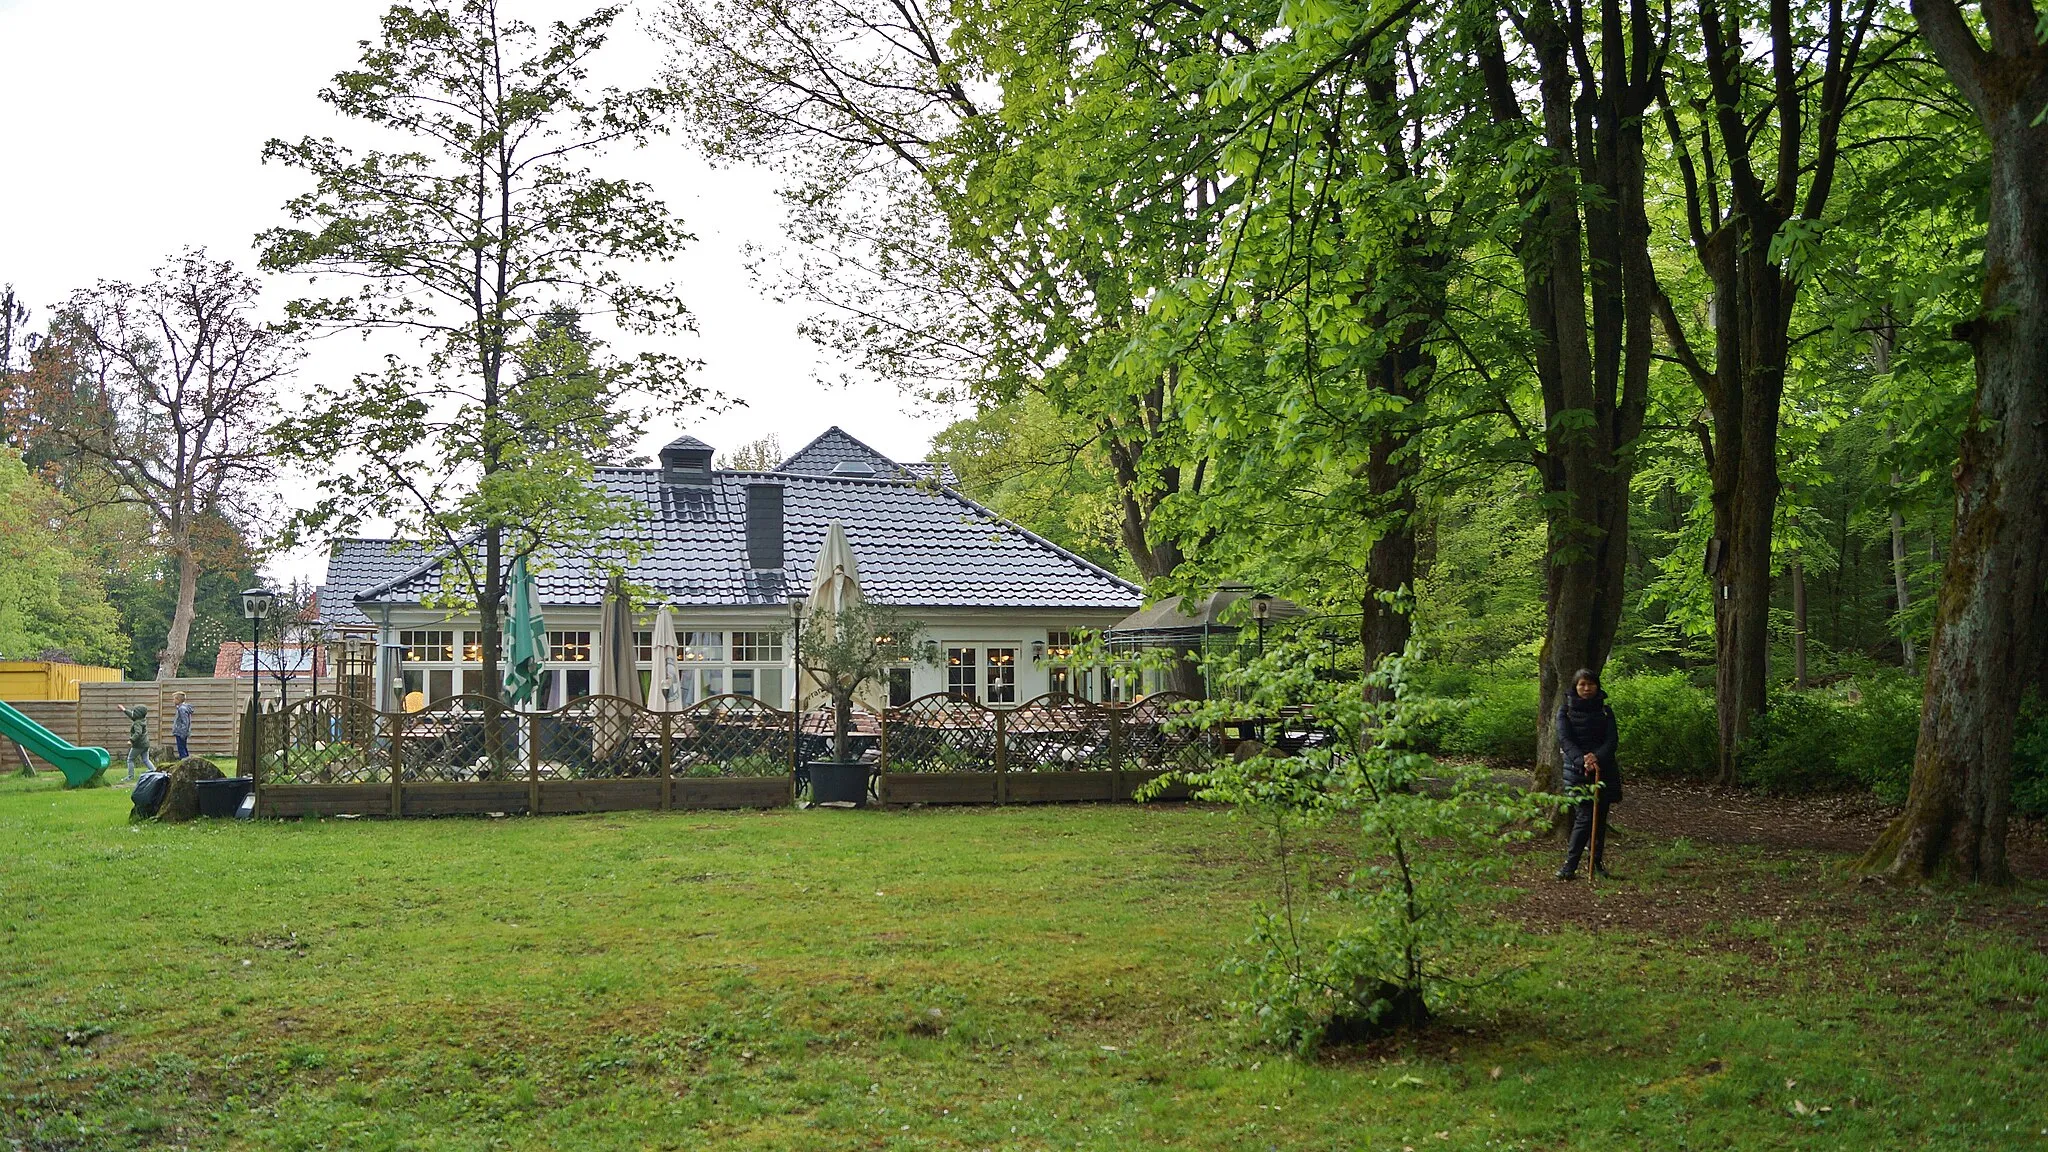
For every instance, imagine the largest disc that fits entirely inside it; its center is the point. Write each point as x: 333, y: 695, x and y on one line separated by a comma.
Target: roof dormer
x: 686, y: 463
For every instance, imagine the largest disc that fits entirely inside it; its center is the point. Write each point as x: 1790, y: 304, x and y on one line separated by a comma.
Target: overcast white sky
x: 130, y: 128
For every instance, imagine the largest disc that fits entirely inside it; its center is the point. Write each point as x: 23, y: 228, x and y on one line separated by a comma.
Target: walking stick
x: 1597, y: 792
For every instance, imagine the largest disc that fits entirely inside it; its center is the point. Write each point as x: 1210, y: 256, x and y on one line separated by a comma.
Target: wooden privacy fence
x: 470, y: 754
x: 94, y: 720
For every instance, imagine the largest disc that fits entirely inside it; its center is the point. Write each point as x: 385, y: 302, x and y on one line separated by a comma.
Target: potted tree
x: 842, y: 652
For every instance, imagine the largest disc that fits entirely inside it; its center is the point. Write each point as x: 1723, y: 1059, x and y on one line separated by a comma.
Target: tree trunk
x: 1881, y: 342
x: 172, y: 658
x: 1798, y: 621
x: 1991, y: 617
x: 1588, y: 288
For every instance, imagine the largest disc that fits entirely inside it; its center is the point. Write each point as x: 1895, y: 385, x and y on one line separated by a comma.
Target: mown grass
x: 987, y: 978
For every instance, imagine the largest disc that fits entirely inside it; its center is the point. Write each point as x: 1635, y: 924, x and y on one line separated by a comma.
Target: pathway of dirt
x: 1797, y: 851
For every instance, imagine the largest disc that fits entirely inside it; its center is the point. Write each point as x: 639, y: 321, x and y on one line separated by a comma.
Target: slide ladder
x: 79, y: 765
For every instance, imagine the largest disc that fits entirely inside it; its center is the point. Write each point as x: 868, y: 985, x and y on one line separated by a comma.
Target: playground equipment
x: 79, y: 765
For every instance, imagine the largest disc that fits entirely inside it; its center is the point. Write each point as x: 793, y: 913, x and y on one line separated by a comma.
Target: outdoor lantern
x: 257, y: 603
x: 796, y: 605
x: 1262, y: 606
x: 1038, y: 649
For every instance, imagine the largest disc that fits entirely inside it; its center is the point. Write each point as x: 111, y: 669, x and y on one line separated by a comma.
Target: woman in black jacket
x: 1586, y: 735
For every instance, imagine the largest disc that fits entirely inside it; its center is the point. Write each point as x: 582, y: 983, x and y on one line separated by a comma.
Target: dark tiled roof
x: 686, y: 444
x: 917, y: 547
x: 355, y: 566
x: 835, y: 446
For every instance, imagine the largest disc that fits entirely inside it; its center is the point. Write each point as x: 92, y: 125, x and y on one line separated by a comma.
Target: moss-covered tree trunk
x: 1991, y: 619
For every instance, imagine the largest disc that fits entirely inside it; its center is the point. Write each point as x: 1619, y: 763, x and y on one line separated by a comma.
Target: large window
x: 568, y: 647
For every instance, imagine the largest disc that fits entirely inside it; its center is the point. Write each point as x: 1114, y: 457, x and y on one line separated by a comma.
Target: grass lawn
x: 1041, y: 978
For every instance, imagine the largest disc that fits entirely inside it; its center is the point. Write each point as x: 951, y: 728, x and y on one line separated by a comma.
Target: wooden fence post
x: 1002, y: 755
x: 397, y: 763
x: 882, y: 755
x: 533, y: 765
x: 668, y: 760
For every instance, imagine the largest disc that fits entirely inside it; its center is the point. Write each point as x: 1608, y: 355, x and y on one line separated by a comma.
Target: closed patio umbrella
x: 618, y: 671
x: 525, y: 638
x: 618, y: 668
x: 666, y: 691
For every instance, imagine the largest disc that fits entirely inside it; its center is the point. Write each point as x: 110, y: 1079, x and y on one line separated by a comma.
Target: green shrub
x: 1497, y: 722
x: 1878, y: 733
x: 1852, y: 736
x: 2030, y: 758
x: 1791, y: 747
x: 1667, y: 725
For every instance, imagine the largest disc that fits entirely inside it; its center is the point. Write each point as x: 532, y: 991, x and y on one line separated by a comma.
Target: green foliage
x: 1041, y: 470
x: 2030, y: 758
x: 484, y: 235
x: 1380, y: 945
x: 1857, y: 734
x: 52, y: 599
x: 1667, y: 724
x: 1496, y: 722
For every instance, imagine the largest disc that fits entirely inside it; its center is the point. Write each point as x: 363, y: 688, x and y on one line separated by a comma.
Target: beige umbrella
x: 665, y: 694
x: 618, y: 672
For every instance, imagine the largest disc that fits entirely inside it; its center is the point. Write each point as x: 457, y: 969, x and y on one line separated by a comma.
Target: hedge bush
x: 1851, y: 736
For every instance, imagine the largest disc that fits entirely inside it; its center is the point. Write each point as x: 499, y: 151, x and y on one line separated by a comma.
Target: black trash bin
x: 220, y: 798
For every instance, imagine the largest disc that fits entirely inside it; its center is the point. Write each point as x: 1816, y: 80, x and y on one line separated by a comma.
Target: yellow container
x: 45, y: 680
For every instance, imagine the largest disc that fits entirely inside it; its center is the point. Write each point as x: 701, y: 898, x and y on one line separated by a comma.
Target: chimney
x: 764, y: 526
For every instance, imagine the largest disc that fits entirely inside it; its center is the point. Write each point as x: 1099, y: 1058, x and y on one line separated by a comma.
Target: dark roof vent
x: 686, y: 461
x: 764, y: 526
x: 853, y: 468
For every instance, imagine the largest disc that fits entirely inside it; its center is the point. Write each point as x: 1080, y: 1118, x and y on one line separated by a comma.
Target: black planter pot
x: 836, y: 783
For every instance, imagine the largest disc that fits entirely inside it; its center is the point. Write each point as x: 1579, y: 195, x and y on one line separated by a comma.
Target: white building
x: 727, y: 548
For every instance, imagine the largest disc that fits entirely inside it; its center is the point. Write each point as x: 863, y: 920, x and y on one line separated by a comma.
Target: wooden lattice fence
x: 471, y: 754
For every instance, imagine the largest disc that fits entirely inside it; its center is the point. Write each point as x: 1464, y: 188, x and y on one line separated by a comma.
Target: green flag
x: 526, y: 638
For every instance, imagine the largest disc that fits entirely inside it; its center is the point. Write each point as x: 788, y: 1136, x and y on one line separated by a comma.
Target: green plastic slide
x: 78, y: 764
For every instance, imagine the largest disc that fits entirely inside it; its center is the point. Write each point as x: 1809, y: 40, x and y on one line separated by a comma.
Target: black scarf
x: 1586, y: 705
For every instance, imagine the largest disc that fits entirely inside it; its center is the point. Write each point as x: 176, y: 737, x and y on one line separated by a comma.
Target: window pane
x: 643, y: 647
x: 578, y: 680
x: 472, y: 682
x: 756, y: 647
x: 569, y: 647
x: 713, y: 682
x: 646, y: 683
x: 743, y: 681
x: 769, y: 688
x: 440, y: 684
x: 1002, y: 676
x: 899, y: 687
x: 428, y: 647
x: 703, y: 645
x: 472, y: 647
x: 960, y: 673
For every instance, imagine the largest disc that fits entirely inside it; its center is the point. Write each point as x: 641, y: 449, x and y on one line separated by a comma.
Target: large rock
x: 181, y: 803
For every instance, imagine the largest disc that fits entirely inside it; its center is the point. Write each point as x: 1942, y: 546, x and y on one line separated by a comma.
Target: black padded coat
x: 1588, y: 726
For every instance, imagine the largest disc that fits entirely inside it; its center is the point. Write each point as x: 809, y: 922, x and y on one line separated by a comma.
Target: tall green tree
x: 52, y: 596
x: 1991, y: 625
x: 484, y: 234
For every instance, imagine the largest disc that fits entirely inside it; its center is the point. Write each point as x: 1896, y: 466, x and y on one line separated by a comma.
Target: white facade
x: 1001, y: 657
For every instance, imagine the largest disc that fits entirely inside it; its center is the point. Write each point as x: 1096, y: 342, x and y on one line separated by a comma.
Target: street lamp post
x: 796, y: 652
x: 256, y: 606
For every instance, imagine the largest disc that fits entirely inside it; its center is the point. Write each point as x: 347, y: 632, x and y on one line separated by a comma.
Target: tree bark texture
x: 1991, y: 616
x: 1588, y: 287
x: 179, y: 638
